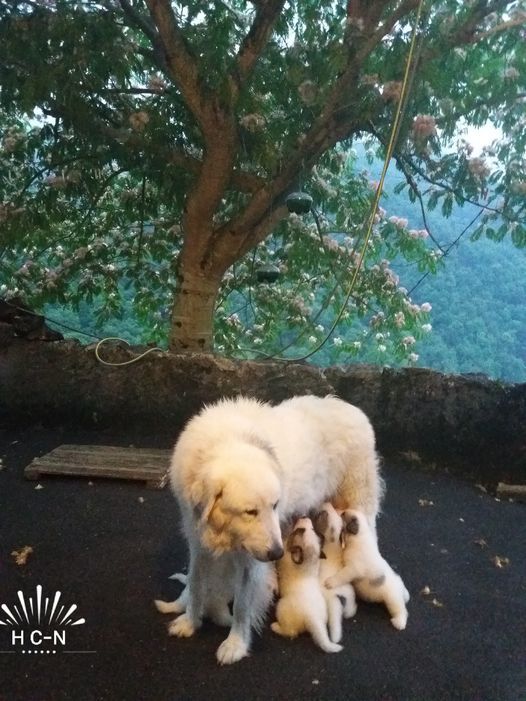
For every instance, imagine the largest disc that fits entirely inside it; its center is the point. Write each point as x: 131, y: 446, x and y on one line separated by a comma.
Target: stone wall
x: 465, y: 423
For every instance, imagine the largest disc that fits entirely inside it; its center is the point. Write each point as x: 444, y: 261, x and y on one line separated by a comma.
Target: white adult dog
x: 238, y: 469
x: 302, y: 607
x: 372, y: 576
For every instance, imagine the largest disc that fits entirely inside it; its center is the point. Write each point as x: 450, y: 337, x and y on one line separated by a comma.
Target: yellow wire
x: 378, y: 194
x: 125, y: 362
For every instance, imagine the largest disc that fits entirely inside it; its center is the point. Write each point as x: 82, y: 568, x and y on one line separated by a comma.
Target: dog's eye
x: 252, y: 512
x: 275, y: 506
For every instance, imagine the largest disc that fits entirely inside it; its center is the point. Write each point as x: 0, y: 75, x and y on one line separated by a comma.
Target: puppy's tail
x: 335, y: 611
x: 319, y: 634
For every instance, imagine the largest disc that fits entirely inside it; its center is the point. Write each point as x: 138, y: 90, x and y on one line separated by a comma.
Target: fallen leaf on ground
x: 411, y: 455
x: 482, y: 488
x: 501, y: 562
x: 481, y: 542
x: 425, y: 591
x: 437, y: 603
x: 141, y: 500
x: 22, y: 555
x: 39, y: 486
x: 425, y: 502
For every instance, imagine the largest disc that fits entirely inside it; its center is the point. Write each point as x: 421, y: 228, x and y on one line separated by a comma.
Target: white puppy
x: 328, y: 525
x: 240, y: 468
x: 302, y: 607
x: 371, y: 575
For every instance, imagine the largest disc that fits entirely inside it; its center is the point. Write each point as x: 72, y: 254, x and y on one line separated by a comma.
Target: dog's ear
x: 210, y: 506
x: 296, y: 554
x: 320, y: 522
x: 352, y: 524
x: 323, y: 556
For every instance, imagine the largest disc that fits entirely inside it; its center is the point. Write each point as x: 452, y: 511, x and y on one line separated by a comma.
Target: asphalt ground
x: 109, y: 548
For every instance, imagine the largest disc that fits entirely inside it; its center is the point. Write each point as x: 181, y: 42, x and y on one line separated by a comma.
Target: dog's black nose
x: 275, y: 553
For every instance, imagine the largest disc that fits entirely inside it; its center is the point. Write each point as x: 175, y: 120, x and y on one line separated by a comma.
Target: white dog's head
x: 236, y: 498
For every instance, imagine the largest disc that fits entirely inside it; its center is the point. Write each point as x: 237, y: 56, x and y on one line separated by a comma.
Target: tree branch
x: 139, y: 20
x: 255, y: 41
x: 180, y: 61
x: 516, y: 22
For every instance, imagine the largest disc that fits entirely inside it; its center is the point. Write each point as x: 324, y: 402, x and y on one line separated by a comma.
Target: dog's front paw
x: 181, y: 627
x: 231, y: 650
x: 330, y: 583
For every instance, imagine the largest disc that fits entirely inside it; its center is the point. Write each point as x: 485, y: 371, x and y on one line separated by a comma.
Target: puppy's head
x: 328, y: 524
x: 303, y: 545
x: 354, y: 525
x: 237, y: 502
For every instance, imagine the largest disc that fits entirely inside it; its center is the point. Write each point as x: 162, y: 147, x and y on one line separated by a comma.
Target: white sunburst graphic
x: 38, y: 623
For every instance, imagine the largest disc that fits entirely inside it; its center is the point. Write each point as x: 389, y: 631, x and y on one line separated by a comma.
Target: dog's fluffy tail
x: 179, y: 577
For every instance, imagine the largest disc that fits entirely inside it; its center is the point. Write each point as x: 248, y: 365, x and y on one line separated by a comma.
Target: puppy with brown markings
x: 372, y: 576
x: 328, y: 525
x: 302, y: 607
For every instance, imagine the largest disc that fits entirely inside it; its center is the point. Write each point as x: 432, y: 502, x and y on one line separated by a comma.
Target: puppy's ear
x: 320, y: 522
x: 296, y: 554
x: 352, y: 525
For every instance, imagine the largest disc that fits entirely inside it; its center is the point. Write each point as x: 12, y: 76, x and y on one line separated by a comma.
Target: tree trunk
x: 193, y: 311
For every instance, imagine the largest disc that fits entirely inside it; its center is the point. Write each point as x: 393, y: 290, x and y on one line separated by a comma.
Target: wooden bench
x: 149, y: 465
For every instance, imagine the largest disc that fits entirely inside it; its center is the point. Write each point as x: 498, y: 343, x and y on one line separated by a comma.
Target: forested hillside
x: 478, y: 297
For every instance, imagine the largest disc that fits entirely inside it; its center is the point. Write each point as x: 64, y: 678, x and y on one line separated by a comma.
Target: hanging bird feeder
x: 267, y: 273
x: 299, y: 203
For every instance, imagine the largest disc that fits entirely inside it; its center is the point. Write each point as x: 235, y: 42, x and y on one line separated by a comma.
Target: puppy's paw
x: 330, y: 583
x: 400, y: 621
x: 168, y: 606
x: 181, y: 627
x: 231, y: 650
x: 332, y: 647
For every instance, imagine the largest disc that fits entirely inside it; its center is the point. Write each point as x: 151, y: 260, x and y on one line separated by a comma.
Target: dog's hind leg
x: 346, y: 591
x: 320, y: 636
x: 187, y: 623
x: 397, y: 610
x: 334, y: 612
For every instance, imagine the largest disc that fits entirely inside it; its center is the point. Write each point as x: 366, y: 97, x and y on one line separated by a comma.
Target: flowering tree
x: 149, y: 146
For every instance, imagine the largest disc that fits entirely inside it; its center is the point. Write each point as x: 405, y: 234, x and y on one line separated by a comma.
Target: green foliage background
x: 478, y: 299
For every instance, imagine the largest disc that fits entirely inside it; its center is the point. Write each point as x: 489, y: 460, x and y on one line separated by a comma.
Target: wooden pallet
x: 146, y: 464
